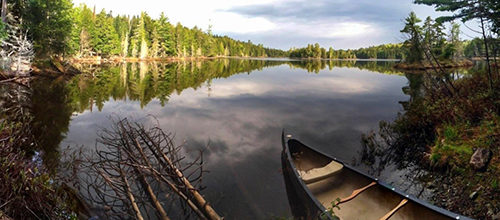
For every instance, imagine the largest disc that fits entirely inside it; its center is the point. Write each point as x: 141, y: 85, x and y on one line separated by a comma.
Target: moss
x: 494, y: 184
x: 455, y: 144
x: 450, y: 133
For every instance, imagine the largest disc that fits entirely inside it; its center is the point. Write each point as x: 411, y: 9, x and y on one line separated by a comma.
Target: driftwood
x: 135, y: 172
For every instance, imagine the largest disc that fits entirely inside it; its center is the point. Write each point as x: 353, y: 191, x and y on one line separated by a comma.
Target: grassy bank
x: 447, y: 120
x: 465, y: 123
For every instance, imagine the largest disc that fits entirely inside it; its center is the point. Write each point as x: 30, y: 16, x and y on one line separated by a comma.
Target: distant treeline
x: 467, y: 48
x: 385, y: 51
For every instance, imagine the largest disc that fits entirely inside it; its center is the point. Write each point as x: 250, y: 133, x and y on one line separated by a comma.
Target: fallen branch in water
x: 136, y: 171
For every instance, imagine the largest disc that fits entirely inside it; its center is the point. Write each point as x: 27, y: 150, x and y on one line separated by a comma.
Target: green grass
x: 452, y: 147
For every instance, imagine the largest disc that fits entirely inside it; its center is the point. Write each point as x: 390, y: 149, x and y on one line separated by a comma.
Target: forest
x: 102, y: 34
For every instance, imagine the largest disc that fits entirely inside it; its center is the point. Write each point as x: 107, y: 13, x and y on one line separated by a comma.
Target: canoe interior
x: 373, y: 203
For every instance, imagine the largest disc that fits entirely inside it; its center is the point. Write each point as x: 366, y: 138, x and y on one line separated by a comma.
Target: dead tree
x: 135, y: 171
x: 17, y: 50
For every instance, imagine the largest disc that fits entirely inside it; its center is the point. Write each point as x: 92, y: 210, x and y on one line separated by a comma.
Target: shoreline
x: 466, y: 63
x: 170, y: 59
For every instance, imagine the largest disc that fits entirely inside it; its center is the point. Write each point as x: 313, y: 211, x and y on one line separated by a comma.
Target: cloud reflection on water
x: 242, y: 120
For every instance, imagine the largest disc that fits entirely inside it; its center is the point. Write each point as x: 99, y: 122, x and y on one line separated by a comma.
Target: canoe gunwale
x: 289, y: 159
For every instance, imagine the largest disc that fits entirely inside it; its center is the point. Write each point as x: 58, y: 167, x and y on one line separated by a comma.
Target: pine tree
x: 165, y: 39
x: 50, y: 36
x: 105, y: 39
x: 139, y: 43
x: 413, y: 31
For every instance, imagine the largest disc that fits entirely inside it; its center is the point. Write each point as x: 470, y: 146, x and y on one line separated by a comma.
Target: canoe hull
x: 304, y: 203
x: 301, y: 204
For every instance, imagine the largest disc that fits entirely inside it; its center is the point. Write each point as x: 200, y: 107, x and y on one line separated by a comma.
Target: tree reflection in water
x: 57, y: 100
x: 404, y: 143
x: 43, y: 106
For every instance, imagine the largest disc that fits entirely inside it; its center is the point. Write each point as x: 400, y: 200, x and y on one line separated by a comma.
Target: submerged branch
x: 129, y: 171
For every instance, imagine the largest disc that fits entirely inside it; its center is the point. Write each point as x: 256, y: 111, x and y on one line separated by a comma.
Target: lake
x: 233, y: 109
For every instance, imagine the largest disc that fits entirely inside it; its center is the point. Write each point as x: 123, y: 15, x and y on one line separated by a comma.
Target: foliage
x: 385, y: 51
x: 331, y: 210
x: 487, y: 12
x: 3, y: 31
x: 49, y: 24
x: 413, y: 43
x: 104, y: 38
x: 466, y: 10
x: 433, y: 36
x: 315, y: 51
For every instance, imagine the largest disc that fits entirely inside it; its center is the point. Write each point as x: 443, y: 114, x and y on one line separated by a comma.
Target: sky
x: 283, y: 24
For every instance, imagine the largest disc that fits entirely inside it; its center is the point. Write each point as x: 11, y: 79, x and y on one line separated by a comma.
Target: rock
x: 490, y: 212
x: 496, y: 217
x: 480, y: 158
x: 473, y: 195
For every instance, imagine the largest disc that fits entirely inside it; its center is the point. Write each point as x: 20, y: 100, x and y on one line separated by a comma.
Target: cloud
x: 341, y: 23
x: 341, y: 10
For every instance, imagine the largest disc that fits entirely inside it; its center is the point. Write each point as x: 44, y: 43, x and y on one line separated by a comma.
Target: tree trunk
x: 4, y: 10
x: 490, y: 80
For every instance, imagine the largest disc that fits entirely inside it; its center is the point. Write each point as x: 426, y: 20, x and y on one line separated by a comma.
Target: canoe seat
x: 317, y: 174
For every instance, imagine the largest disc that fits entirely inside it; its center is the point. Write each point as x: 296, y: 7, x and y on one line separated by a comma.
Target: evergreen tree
x: 155, y: 45
x: 105, y: 40
x: 164, y: 30
x: 50, y: 36
x: 139, y: 39
x: 413, y: 43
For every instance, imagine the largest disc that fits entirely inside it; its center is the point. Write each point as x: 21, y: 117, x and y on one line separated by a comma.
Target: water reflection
x: 240, y: 116
x: 44, y: 105
x: 237, y: 107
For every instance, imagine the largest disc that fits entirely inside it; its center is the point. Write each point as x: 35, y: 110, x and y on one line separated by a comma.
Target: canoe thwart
x: 317, y: 174
x: 389, y: 214
x: 356, y: 193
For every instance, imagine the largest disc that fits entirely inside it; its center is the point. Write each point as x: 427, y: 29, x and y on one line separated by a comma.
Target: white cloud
x: 227, y: 22
x: 190, y: 13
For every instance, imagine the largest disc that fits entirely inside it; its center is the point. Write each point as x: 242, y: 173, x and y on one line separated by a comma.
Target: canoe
x: 315, y: 182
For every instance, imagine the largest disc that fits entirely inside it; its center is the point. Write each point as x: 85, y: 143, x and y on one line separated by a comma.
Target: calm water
x: 238, y: 109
